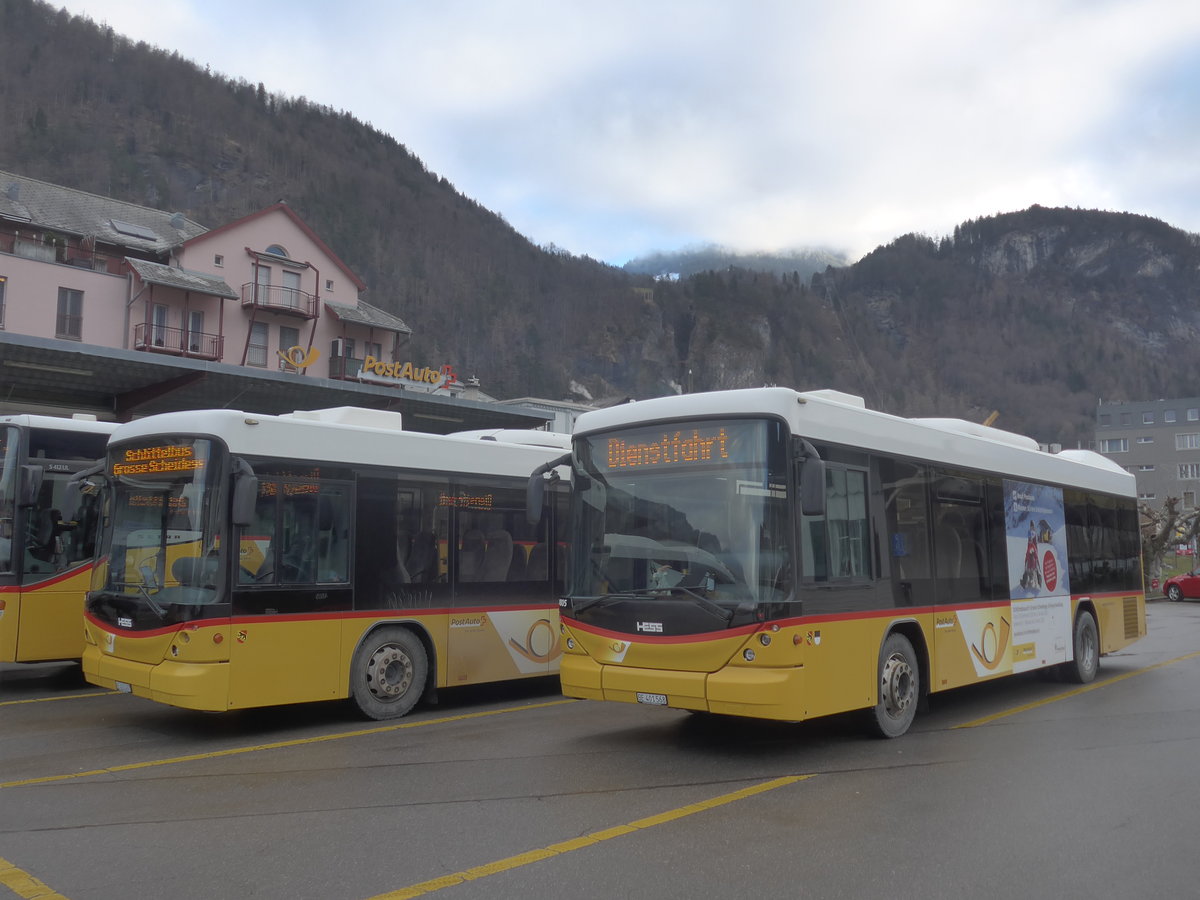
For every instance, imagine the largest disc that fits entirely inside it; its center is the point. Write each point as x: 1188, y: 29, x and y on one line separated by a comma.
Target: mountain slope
x: 1035, y: 314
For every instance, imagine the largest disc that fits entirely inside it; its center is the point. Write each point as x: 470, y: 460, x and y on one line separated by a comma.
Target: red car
x: 1180, y: 587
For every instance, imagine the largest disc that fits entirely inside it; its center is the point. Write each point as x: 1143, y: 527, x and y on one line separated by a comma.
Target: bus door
x: 973, y: 623
x: 55, y: 571
x: 504, y: 623
x: 291, y: 591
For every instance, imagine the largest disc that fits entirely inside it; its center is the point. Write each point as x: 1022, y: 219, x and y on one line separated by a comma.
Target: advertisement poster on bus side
x: 1038, y: 575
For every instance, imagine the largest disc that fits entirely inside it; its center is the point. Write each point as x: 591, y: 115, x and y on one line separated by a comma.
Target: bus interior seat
x: 538, y: 567
x: 193, y: 571
x: 470, y: 556
x: 497, y: 556
x: 422, y: 558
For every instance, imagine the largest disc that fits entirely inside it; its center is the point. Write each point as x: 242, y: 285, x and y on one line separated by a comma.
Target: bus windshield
x: 162, y: 539
x: 694, y: 511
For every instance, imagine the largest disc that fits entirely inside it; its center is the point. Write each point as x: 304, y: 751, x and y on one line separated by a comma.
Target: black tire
x: 1174, y: 594
x: 1085, y: 645
x: 899, y: 679
x: 388, y: 672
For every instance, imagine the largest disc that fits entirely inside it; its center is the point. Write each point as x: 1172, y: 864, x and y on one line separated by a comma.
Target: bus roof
x: 343, y: 435
x: 839, y: 418
x: 79, y: 422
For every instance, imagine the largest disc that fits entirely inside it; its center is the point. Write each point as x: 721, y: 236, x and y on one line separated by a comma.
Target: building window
x: 1114, y: 445
x: 1193, y: 414
x: 256, y: 352
x: 158, y: 333
x: 349, y: 351
x: 373, y: 348
x: 329, y: 284
x: 1149, y: 468
x: 1187, y: 442
x: 1189, y: 471
x: 1169, y: 416
x: 219, y: 261
x: 1146, y: 439
x: 69, y: 323
x: 1189, y: 499
x: 1147, y: 418
x: 1105, y: 418
x: 277, y: 250
x: 1126, y: 418
x: 1149, y: 496
x: 195, y: 330
x: 288, y: 338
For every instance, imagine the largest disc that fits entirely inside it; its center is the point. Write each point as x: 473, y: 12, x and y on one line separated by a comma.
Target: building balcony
x: 344, y: 368
x: 279, y: 299
x: 177, y: 341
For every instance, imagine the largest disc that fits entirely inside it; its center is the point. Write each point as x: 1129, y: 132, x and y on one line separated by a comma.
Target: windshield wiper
x: 714, y: 608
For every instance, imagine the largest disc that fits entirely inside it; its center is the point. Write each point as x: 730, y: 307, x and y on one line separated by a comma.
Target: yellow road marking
x: 25, y: 885
x: 1083, y: 689
x: 588, y: 840
x: 60, y: 697
x: 279, y: 745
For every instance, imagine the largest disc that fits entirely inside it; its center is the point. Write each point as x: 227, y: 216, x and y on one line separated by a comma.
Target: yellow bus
x: 45, y: 562
x: 787, y: 555
x: 252, y: 560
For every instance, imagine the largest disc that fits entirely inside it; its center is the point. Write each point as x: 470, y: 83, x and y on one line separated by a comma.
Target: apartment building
x: 125, y: 310
x: 1159, y: 442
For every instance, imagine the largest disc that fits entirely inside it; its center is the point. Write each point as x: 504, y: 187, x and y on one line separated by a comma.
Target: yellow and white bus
x: 45, y: 563
x: 789, y: 555
x: 253, y: 560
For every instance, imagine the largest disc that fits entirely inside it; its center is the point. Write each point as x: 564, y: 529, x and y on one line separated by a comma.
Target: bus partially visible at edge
x: 785, y: 555
x: 45, y: 563
x: 254, y: 560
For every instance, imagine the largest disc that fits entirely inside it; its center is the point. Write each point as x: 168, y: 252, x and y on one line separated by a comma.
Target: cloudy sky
x: 619, y: 128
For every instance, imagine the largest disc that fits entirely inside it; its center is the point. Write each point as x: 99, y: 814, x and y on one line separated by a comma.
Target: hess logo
x: 650, y: 627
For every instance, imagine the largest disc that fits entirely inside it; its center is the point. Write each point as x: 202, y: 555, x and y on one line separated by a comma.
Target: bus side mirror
x: 812, y: 480
x: 245, y: 493
x: 31, y: 485
x: 535, y: 490
x: 79, y: 485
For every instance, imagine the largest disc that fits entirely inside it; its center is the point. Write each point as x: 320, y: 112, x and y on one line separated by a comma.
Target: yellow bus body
x: 251, y: 661
x: 44, y: 621
x: 815, y: 666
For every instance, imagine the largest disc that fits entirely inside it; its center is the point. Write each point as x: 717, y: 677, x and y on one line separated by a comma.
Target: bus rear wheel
x: 1086, y: 647
x: 899, y: 682
x: 388, y: 673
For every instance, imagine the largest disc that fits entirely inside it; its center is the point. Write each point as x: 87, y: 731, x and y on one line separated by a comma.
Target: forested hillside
x: 1035, y: 314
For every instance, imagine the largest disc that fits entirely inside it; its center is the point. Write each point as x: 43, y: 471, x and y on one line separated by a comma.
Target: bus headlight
x: 748, y: 654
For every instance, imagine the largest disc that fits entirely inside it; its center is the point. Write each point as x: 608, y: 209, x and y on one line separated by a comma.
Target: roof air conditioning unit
x: 339, y: 347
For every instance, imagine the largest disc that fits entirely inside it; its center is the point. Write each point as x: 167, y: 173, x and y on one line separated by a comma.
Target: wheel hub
x: 896, y: 685
x: 389, y: 673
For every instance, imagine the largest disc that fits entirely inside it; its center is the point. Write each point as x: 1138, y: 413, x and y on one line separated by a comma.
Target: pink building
x: 121, y: 309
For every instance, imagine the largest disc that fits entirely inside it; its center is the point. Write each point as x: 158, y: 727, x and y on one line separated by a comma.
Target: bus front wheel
x: 1086, y: 646
x: 388, y: 673
x: 899, y: 683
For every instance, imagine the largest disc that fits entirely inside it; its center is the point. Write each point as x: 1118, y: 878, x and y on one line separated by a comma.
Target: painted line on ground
x: 61, y: 697
x: 1083, y: 689
x: 279, y: 745
x: 25, y: 885
x: 588, y: 840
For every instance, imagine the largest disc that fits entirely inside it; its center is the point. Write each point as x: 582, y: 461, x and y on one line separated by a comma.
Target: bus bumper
x: 190, y: 685
x: 733, y: 690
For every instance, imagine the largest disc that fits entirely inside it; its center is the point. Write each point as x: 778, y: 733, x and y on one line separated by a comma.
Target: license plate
x: 652, y: 699
x: 124, y: 687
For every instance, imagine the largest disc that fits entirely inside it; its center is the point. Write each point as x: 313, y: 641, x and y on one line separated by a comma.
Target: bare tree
x: 1162, y: 529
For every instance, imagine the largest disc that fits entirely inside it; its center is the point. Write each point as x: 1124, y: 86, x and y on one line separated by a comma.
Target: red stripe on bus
x: 49, y: 582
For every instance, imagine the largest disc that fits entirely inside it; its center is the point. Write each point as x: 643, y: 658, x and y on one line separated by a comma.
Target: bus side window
x: 835, y: 547
x: 907, y: 514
